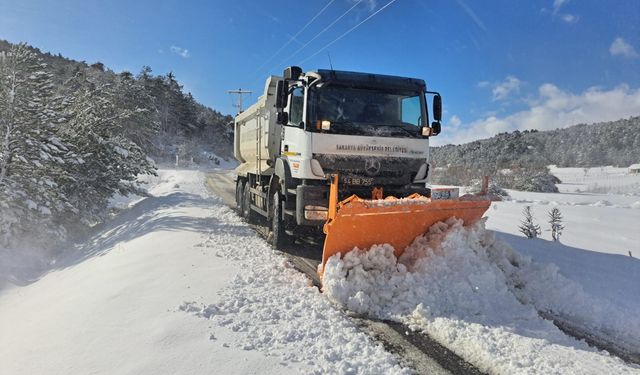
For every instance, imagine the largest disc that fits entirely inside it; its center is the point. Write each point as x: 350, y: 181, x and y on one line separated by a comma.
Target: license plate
x: 362, y: 181
x: 444, y: 193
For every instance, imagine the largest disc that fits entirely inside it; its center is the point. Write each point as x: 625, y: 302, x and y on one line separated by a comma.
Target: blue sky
x: 500, y: 65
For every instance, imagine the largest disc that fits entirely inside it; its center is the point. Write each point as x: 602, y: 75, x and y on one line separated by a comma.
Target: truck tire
x: 247, y: 213
x: 279, y: 238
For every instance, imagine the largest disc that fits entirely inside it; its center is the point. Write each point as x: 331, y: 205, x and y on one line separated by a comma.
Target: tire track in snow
x: 597, y: 341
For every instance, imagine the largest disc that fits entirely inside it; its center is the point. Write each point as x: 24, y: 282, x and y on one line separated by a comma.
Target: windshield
x: 363, y: 109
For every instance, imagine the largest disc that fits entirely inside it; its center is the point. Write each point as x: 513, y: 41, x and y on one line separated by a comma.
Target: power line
x: 293, y: 37
x: 320, y: 33
x: 348, y: 31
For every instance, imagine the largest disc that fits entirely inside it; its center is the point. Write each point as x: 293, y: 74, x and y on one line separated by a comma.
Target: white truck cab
x: 371, y: 130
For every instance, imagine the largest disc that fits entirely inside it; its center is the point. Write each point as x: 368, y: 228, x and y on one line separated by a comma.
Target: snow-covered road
x: 116, y: 305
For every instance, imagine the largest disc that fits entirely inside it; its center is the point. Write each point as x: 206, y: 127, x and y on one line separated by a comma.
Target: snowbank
x: 273, y: 308
x: 476, y: 296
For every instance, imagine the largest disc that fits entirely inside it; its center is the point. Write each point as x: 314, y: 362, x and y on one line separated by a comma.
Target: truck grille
x: 370, y: 171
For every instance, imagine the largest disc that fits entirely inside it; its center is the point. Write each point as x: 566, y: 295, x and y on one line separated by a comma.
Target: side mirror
x: 283, y: 118
x: 281, y: 95
x: 292, y: 73
x: 437, y: 108
x: 436, y: 128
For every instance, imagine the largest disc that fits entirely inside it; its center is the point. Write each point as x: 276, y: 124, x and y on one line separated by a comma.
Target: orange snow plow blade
x: 362, y: 223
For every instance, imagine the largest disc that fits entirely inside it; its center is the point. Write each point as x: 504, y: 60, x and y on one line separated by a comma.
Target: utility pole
x: 239, y: 92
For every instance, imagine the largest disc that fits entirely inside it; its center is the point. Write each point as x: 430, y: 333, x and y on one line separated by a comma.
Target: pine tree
x: 111, y: 162
x: 528, y: 227
x: 141, y: 125
x: 32, y: 156
x: 555, y: 219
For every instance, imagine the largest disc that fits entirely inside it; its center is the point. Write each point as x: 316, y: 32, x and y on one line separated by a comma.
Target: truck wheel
x: 247, y: 213
x: 279, y: 238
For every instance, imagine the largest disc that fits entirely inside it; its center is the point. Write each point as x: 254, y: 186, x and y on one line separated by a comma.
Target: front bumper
x: 312, y: 201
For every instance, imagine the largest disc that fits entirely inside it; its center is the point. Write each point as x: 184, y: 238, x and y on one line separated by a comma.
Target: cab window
x: 295, y: 108
x: 411, y: 111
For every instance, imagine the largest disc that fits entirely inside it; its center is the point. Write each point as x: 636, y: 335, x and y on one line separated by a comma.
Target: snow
x: 474, y: 294
x: 594, y: 222
x: 477, y: 291
x: 31, y: 204
x: 121, y: 202
x: 600, y: 234
x: 121, y: 151
x: 597, y: 180
x: 44, y: 210
x: 178, y: 283
x: 294, y: 321
x: 604, y: 220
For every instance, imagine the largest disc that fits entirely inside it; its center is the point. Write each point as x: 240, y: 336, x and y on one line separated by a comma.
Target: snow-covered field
x: 601, y: 230
x: 597, y: 180
x: 177, y: 283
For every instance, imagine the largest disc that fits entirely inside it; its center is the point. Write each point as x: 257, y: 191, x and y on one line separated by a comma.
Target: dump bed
x: 257, y: 134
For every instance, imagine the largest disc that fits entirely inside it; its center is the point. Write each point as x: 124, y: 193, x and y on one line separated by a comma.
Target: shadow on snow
x: 147, y: 216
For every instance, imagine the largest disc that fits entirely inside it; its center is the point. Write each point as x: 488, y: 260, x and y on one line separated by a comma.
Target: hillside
x: 74, y: 136
x: 526, y: 153
x: 615, y: 143
x: 174, y: 118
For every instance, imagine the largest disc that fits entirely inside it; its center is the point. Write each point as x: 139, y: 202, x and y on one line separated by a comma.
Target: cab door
x: 294, y: 142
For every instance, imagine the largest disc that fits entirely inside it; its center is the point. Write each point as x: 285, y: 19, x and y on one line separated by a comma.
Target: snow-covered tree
x: 527, y: 153
x: 493, y: 189
x: 555, y: 220
x: 527, y: 226
x: 531, y: 179
x: 32, y: 156
x: 141, y: 124
x: 111, y: 162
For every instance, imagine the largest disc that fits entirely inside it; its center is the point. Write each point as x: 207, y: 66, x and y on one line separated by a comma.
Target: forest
x: 519, y: 160
x: 74, y: 135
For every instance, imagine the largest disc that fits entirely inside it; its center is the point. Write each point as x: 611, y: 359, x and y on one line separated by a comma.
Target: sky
x: 499, y: 65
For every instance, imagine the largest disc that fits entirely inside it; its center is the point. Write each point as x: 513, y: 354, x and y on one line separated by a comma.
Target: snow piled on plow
x: 481, y: 299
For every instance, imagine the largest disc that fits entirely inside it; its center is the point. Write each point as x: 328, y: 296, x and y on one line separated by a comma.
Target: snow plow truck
x: 346, y: 153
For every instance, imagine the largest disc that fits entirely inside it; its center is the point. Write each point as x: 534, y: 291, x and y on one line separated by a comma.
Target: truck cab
x: 370, y: 130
